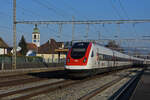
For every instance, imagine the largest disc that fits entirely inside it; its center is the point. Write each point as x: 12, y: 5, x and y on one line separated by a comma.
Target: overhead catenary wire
x: 123, y: 9
x: 5, y: 14
x: 54, y: 32
x: 45, y: 5
x: 32, y: 13
x: 77, y: 13
x: 119, y: 15
x: 60, y: 10
x: 24, y: 10
x: 125, y: 12
x: 10, y: 16
x: 115, y: 9
x: 74, y: 16
x: 42, y: 4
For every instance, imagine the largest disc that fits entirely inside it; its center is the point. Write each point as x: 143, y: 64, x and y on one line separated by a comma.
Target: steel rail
x: 21, y: 81
x: 127, y: 86
x: 100, y: 89
x: 50, y: 87
x: 31, y: 89
x: 106, y: 86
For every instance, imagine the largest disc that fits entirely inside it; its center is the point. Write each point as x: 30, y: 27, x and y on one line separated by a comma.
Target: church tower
x: 36, y: 36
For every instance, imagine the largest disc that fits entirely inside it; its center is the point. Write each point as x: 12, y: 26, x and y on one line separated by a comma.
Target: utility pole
x: 60, y: 30
x: 87, y: 31
x: 73, y: 28
x: 14, y: 36
x: 99, y: 36
x: 119, y: 40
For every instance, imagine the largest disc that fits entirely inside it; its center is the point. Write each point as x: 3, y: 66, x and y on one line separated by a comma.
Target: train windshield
x: 79, y: 50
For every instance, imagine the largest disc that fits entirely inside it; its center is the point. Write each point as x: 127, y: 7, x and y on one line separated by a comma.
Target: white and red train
x: 87, y: 58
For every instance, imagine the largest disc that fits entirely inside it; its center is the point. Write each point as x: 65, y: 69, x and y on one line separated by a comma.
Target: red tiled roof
x: 3, y: 44
x: 31, y: 46
x: 49, y: 47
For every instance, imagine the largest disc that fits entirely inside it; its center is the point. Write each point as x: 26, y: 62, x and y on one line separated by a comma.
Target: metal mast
x: 14, y: 36
x: 73, y: 28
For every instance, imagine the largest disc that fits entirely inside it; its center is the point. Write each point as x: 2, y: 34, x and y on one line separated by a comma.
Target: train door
x: 109, y: 62
x: 94, y: 57
x: 92, y: 63
x: 113, y: 60
x: 97, y: 58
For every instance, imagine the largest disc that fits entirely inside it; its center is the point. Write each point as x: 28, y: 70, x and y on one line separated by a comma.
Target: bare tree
x: 113, y: 45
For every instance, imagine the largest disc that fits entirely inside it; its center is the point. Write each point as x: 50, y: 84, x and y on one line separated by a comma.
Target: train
x: 90, y: 58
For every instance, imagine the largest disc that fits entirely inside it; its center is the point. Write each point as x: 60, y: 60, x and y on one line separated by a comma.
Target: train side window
x: 92, y: 55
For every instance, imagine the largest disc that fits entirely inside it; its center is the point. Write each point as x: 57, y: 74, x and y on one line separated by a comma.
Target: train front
x: 77, y: 59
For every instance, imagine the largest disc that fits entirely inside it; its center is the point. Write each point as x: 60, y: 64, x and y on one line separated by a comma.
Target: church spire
x: 36, y: 30
x: 36, y: 36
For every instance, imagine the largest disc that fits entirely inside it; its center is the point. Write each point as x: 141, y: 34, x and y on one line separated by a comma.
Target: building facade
x: 50, y: 51
x: 3, y: 47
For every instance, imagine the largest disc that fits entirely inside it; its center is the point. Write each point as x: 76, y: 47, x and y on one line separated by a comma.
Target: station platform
x: 28, y: 70
x: 142, y: 91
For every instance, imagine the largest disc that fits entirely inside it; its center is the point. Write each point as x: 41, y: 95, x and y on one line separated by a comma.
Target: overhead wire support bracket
x: 60, y: 30
x: 86, y: 22
x: 87, y: 31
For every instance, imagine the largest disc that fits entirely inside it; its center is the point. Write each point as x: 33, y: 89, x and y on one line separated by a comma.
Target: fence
x: 22, y: 62
x: 29, y: 62
x: 54, y: 60
x: 21, y: 59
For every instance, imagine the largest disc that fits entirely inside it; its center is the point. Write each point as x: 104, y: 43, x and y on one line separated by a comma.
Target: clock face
x: 34, y: 40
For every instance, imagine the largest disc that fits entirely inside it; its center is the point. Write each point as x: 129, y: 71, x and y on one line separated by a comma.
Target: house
x: 32, y: 49
x: 3, y: 47
x: 52, y: 51
x: 31, y: 46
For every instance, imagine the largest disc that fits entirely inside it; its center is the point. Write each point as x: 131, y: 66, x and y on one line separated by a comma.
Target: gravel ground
x: 28, y: 70
x: 76, y: 91
x: 43, y: 73
x: 24, y: 86
x: 106, y: 94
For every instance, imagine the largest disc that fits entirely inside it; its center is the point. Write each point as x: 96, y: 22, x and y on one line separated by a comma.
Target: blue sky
x: 53, y: 10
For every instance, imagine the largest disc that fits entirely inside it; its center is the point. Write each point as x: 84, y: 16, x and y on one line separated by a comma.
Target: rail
x: 125, y: 91
x: 119, y: 93
x: 27, y: 93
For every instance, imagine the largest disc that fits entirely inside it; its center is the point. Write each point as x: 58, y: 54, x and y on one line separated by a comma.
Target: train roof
x: 105, y: 50
x: 108, y: 51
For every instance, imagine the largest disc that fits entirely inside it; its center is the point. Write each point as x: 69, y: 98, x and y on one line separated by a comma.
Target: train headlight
x: 84, y: 60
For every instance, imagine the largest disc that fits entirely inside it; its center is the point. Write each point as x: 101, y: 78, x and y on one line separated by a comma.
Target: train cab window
x: 92, y: 55
x: 79, y: 50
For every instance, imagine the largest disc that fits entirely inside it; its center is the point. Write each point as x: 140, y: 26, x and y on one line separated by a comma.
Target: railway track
x: 120, y: 94
x: 19, y: 79
x: 26, y: 93
x: 32, y: 91
x: 21, y: 72
x: 125, y: 92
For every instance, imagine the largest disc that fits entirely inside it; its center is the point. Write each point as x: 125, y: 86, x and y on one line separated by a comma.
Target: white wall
x: 2, y: 51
